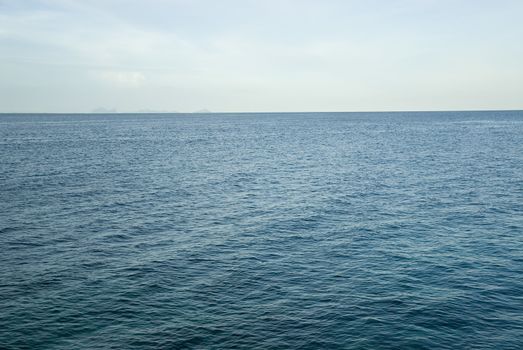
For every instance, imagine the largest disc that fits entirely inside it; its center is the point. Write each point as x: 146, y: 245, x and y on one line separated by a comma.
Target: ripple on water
x: 256, y: 231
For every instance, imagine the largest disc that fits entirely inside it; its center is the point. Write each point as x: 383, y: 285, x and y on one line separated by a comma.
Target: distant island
x: 104, y: 110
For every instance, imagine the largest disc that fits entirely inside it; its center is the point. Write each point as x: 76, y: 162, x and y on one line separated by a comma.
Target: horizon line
x: 281, y: 112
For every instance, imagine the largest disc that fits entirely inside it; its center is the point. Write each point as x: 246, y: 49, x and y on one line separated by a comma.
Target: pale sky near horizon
x: 260, y: 55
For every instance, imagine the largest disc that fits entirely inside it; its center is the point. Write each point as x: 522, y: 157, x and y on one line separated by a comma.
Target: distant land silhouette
x: 204, y: 110
x: 106, y: 110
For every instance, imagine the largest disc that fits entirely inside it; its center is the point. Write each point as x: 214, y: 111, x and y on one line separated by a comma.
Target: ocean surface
x: 262, y: 231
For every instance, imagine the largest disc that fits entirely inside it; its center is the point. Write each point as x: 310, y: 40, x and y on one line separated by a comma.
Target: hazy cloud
x: 119, y: 78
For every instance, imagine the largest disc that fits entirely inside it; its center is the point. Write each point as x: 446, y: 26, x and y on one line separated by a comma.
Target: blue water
x: 262, y: 231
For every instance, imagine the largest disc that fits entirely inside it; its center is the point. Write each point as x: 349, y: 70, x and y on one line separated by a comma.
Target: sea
x: 399, y: 230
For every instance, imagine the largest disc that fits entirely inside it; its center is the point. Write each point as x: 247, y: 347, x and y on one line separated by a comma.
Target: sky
x: 260, y: 55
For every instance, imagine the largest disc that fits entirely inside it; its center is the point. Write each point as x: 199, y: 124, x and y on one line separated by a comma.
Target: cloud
x: 120, y: 78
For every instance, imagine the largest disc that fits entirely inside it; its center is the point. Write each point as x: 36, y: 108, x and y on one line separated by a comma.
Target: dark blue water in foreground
x: 262, y: 231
